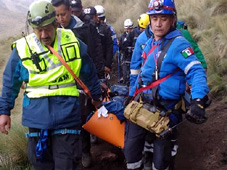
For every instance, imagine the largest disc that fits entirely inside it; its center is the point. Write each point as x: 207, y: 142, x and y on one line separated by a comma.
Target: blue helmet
x: 161, y: 7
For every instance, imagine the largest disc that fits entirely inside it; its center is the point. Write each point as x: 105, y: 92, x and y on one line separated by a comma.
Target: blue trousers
x: 134, y: 145
x: 63, y: 152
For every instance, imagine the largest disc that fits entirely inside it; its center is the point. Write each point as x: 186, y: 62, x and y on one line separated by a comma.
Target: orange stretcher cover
x: 108, y: 128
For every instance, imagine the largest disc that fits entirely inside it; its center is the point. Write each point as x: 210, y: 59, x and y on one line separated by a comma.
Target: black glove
x: 128, y: 100
x: 196, y: 114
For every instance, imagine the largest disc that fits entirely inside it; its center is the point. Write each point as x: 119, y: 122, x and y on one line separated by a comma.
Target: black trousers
x: 86, y: 108
x: 63, y: 152
x: 126, y: 72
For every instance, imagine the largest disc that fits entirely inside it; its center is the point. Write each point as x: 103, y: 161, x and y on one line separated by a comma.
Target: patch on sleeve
x: 187, y: 52
x: 142, y: 46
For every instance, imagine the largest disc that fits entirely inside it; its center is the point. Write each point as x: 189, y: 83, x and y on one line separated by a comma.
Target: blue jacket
x: 49, y: 112
x: 178, y: 56
x: 114, y: 38
x: 137, y: 59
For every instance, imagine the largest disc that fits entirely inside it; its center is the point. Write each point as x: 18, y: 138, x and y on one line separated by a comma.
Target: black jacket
x: 107, y: 43
x: 121, y: 40
x: 89, y: 35
x: 129, y: 43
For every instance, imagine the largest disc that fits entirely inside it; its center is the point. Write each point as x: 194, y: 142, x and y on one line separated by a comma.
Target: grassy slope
x: 207, y: 22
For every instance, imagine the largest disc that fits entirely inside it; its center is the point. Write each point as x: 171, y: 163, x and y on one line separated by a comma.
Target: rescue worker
x: 137, y: 58
x: 83, y: 30
x: 108, y: 38
x: 184, y: 30
x: 136, y: 63
x: 129, y: 44
x: 63, y: 15
x: 102, y: 18
x: 128, y: 26
x: 77, y: 8
x: 89, y: 35
x: 182, y: 65
x: 51, y: 108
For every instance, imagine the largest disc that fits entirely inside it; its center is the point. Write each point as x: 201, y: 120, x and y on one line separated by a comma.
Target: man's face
x: 100, y: 20
x: 161, y: 24
x: 63, y: 15
x: 142, y: 29
x: 46, y: 34
x: 95, y: 18
x: 127, y: 30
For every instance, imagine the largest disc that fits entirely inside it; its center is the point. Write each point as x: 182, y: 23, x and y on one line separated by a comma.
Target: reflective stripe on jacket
x: 190, y: 69
x: 47, y: 75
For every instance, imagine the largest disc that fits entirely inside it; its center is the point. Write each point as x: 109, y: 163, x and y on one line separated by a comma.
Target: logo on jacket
x: 67, y: 37
x: 142, y: 46
x: 62, y: 78
x: 187, y: 52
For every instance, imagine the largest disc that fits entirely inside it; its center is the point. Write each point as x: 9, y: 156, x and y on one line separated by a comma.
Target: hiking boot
x: 147, y: 163
x: 86, y: 160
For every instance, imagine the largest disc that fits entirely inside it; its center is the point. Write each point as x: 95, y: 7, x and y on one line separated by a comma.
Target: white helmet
x: 100, y: 10
x: 128, y: 23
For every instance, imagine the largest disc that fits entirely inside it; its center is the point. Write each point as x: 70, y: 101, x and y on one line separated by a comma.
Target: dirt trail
x: 204, y: 147
x: 201, y: 147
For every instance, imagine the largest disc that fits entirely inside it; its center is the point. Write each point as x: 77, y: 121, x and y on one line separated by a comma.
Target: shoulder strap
x: 147, y: 32
x: 155, y: 84
x: 160, y: 59
x: 163, y: 53
x: 86, y: 90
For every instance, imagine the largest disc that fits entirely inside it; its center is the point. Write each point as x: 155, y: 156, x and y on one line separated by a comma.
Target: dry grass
x: 119, y: 10
x: 207, y: 20
x: 13, y: 146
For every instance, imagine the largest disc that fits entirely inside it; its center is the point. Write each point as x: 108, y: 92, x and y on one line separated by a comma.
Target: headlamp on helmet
x: 161, y: 7
x: 157, y: 5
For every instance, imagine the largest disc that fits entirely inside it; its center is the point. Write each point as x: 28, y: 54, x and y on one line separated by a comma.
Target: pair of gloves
x: 196, y: 113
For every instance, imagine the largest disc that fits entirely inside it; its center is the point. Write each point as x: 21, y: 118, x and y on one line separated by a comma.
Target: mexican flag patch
x: 142, y: 46
x: 187, y: 52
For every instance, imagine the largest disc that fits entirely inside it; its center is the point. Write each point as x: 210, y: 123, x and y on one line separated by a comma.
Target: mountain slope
x: 19, y: 6
x: 13, y: 17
